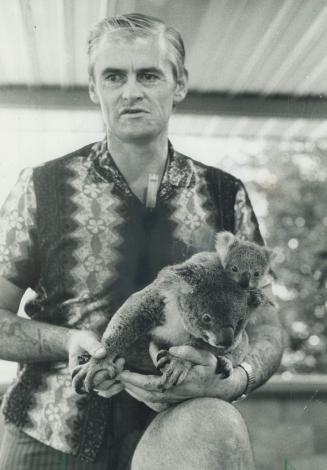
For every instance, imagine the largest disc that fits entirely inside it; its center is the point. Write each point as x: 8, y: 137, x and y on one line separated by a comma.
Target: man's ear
x: 92, y: 92
x: 181, y: 88
x: 224, y: 242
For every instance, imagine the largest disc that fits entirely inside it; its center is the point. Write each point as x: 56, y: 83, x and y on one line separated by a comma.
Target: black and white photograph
x: 163, y: 228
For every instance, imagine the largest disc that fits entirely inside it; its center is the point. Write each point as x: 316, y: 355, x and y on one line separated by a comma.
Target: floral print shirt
x: 74, y: 232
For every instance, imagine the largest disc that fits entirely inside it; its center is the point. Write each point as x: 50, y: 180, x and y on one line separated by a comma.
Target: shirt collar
x: 178, y: 171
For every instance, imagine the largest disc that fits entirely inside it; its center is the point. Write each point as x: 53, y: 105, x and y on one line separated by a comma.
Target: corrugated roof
x: 265, y: 47
x: 270, y: 46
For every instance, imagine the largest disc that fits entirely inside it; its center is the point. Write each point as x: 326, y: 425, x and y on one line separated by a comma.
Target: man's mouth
x: 133, y: 111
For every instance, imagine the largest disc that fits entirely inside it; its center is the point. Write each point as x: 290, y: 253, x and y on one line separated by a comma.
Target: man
x: 89, y: 229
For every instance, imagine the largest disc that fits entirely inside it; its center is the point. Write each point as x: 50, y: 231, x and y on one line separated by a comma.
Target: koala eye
x: 235, y: 269
x: 257, y: 274
x: 206, y: 318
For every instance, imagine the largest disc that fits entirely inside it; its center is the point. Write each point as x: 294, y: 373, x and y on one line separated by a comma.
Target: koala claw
x: 77, y: 380
x: 174, y: 369
x: 162, y: 358
x: 84, y: 374
x: 224, y: 366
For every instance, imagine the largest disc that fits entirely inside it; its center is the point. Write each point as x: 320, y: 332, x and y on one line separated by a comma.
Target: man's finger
x: 105, y: 385
x: 145, y: 395
x: 73, y: 362
x: 154, y: 406
x: 83, y: 340
x: 197, y: 356
x: 147, y: 382
x: 94, y: 347
x: 100, y: 377
x: 157, y: 407
x: 129, y: 389
x: 113, y: 390
x: 138, y: 393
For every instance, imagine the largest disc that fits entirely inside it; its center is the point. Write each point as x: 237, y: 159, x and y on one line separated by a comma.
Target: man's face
x: 134, y: 84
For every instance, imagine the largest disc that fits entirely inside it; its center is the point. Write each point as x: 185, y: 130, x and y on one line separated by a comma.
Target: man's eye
x: 149, y: 77
x: 113, y: 78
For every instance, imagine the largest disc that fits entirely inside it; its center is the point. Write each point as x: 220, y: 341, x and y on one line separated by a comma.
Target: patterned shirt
x: 74, y: 232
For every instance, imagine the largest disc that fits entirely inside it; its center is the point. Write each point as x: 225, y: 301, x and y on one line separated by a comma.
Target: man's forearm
x: 23, y: 340
x: 266, y: 343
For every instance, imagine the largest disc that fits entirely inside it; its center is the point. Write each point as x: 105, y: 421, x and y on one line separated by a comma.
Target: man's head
x: 136, y: 25
x: 137, y: 74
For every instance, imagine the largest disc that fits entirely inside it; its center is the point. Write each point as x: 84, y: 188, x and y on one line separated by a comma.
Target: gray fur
x: 198, y: 302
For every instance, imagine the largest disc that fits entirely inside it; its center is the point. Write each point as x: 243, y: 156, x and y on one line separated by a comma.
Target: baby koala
x: 204, y: 302
x: 245, y: 262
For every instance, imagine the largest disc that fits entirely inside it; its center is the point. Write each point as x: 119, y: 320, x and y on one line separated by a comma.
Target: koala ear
x: 224, y: 242
x: 270, y: 254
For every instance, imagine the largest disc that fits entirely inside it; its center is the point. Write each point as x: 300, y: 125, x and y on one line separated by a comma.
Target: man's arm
x: 265, y: 330
x: 23, y: 340
x: 266, y: 341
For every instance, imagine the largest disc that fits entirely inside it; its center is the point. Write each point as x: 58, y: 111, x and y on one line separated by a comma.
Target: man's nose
x: 132, y: 89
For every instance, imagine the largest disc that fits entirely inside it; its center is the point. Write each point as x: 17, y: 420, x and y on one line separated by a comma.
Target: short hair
x: 139, y: 25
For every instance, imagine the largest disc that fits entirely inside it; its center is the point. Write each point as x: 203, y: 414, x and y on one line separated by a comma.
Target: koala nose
x: 226, y: 336
x: 245, y: 280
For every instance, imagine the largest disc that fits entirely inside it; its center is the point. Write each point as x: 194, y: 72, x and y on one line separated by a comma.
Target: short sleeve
x: 18, y: 260
x: 246, y: 225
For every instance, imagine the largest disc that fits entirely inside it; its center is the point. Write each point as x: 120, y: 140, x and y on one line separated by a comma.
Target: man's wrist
x: 232, y: 387
x: 241, y: 381
x: 248, y: 373
x: 246, y: 366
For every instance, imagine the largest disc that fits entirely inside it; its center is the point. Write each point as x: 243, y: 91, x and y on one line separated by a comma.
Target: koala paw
x: 174, y: 369
x: 85, y: 373
x: 224, y: 366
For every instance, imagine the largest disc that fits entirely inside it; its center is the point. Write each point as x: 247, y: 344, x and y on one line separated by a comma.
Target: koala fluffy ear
x: 224, y: 243
x: 270, y: 254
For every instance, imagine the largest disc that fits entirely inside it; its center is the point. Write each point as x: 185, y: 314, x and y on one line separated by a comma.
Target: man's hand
x: 85, y: 341
x: 81, y: 342
x: 201, y: 381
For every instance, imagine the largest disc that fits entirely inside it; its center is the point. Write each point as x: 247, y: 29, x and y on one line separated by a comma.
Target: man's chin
x: 138, y: 135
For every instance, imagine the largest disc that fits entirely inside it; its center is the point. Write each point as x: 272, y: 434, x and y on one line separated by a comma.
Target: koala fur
x: 205, y: 302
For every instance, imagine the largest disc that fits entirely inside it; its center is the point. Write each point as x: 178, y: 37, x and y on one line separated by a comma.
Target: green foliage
x: 294, y: 187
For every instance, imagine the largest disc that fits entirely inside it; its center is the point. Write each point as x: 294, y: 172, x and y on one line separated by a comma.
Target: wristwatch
x: 248, y: 369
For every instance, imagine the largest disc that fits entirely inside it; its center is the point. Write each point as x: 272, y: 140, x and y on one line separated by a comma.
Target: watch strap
x: 250, y: 376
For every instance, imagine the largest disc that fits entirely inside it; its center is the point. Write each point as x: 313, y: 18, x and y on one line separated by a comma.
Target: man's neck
x: 142, y: 164
x: 135, y: 159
